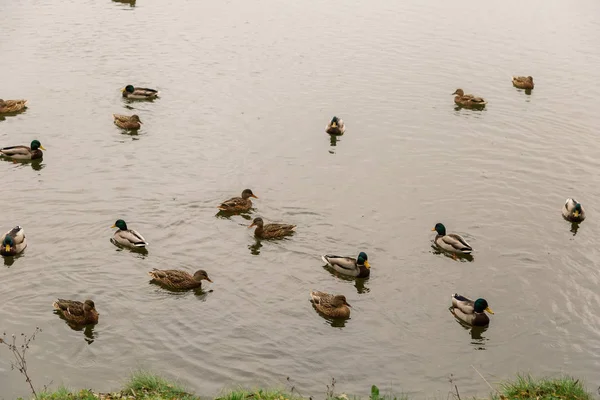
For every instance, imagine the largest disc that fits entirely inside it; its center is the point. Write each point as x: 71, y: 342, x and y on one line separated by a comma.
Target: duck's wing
x: 457, y: 242
x: 347, y: 263
x: 320, y: 297
x: 278, y: 227
x: 145, y: 92
x: 173, y: 276
x: 136, y: 238
x: 234, y: 202
x: 72, y: 305
x: 463, y: 304
x: 121, y: 118
x: 13, y: 151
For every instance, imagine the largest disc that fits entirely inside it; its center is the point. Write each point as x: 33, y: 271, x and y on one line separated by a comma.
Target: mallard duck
x: 77, y: 312
x: 23, y: 152
x: 13, y: 242
x: 136, y: 93
x: 468, y: 100
x: 573, y: 211
x: 451, y: 242
x: 523, y: 82
x: 238, y: 204
x: 358, y: 267
x: 127, y: 122
x: 469, y: 311
x: 12, y: 106
x: 336, y: 126
x: 271, y: 231
x: 330, y: 305
x: 177, y: 279
x: 128, y: 237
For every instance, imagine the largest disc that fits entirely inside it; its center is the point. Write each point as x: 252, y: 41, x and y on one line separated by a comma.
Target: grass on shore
x: 146, y: 386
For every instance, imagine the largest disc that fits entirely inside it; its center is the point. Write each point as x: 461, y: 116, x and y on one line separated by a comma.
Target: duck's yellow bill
x: 252, y: 195
x: 122, y: 90
x: 576, y: 214
x: 114, y: 226
x: 367, y: 264
x: 489, y: 310
x: 42, y: 147
x: 333, y: 125
x: 7, y: 248
x: 432, y: 229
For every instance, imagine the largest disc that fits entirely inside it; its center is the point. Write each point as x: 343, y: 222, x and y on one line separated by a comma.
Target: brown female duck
x: 178, y: 280
x: 76, y: 312
x: 330, y: 305
x: 12, y: 106
x: 238, y: 204
x: 523, y: 82
x: 271, y: 231
x: 127, y: 122
x: 468, y: 100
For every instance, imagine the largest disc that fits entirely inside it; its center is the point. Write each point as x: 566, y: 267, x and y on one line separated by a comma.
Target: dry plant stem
x: 485, y: 380
x: 19, y: 353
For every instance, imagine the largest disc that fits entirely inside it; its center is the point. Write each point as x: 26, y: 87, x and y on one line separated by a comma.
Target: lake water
x: 247, y: 88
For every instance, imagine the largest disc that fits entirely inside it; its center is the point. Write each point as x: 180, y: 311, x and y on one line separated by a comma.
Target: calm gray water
x: 247, y: 88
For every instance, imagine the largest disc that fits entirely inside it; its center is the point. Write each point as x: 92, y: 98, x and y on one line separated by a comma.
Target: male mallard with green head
x: 451, y: 242
x: 136, y: 93
x: 271, y: 231
x: 179, y: 280
x: 23, y: 152
x: 523, y: 82
x: 127, y: 237
x: 573, y: 211
x: 238, y: 204
x: 468, y: 100
x: 330, y: 305
x: 13, y: 242
x: 469, y: 311
x: 76, y: 312
x: 127, y: 122
x: 336, y: 126
x: 12, y: 106
x: 358, y: 267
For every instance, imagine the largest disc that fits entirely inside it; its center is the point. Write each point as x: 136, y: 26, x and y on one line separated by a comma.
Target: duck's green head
x: 8, y: 243
x: 120, y: 224
x: 440, y: 229
x: 577, y: 210
x: 362, y: 259
x: 36, y: 145
x: 481, y: 305
x: 335, y: 121
x: 129, y: 89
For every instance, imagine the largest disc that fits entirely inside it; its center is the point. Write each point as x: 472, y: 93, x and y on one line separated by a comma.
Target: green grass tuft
x: 260, y: 394
x: 144, y: 385
x: 527, y: 388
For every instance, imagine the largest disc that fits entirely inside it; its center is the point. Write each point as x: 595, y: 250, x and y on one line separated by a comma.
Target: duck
x: 77, y: 312
x: 13, y: 242
x: 469, y: 311
x: 33, y: 152
x: 335, y: 126
x: 177, y: 279
x: 238, y: 204
x: 127, y: 122
x: 451, y: 242
x: 271, y: 231
x: 468, y: 100
x: 12, y: 106
x: 128, y: 237
x: 573, y: 211
x: 357, y: 267
x: 136, y: 93
x: 523, y: 82
x: 330, y: 305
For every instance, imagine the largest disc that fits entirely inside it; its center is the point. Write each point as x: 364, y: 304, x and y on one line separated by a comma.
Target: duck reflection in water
x: 255, y: 248
x: 36, y: 165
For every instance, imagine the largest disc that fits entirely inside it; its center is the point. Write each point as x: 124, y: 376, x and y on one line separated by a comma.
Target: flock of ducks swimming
x: 471, y: 312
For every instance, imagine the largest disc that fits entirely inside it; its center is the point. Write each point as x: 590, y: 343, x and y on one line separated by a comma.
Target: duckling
x: 127, y: 122
x: 178, y: 280
x: 451, y: 242
x: 335, y: 126
x: 573, y: 211
x: 469, y: 311
x: 76, y: 312
x: 330, y: 305
x: 271, y: 231
x: 12, y: 106
x: 523, y: 82
x: 128, y: 237
x: 468, y: 100
x: 358, y: 267
x: 136, y: 93
x: 23, y: 152
x: 13, y: 242
x: 238, y: 204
